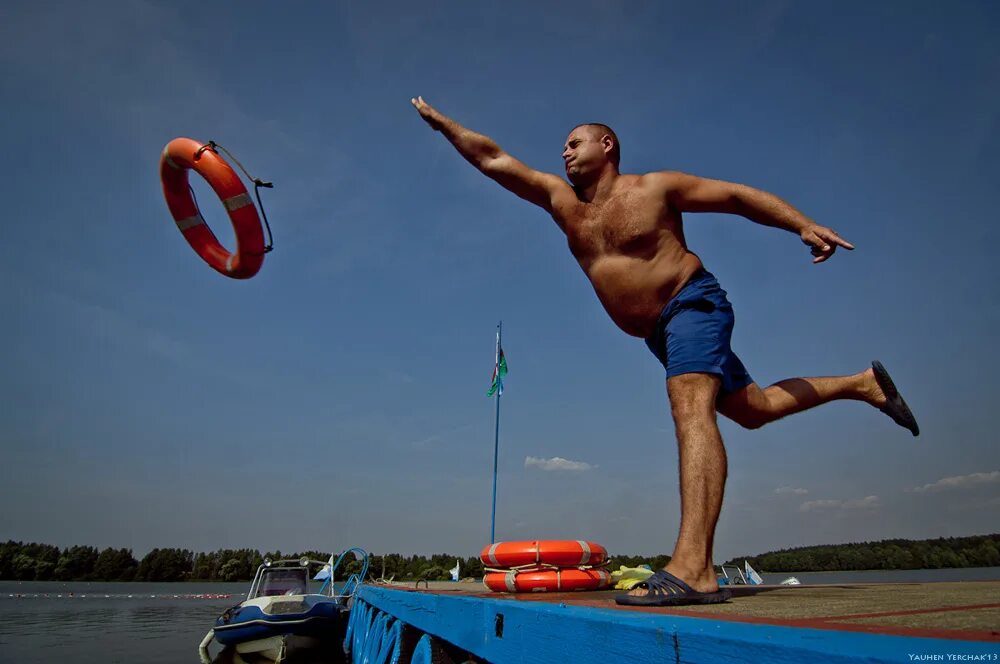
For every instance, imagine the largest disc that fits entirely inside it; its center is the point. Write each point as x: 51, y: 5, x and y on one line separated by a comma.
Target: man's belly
x: 635, y: 291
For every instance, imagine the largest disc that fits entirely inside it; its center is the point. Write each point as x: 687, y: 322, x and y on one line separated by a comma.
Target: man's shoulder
x: 657, y: 181
x: 661, y: 177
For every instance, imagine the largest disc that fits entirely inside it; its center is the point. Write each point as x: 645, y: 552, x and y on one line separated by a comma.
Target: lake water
x: 87, y: 623
x: 163, y: 623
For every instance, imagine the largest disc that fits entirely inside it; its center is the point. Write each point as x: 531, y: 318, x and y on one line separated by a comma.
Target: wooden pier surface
x: 967, y: 610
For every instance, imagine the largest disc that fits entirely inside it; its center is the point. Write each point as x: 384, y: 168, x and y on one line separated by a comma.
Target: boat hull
x: 277, y: 648
x: 306, y: 616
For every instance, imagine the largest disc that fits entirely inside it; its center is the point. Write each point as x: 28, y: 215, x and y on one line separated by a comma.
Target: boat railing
x: 354, y: 580
x: 330, y: 567
x: 736, y: 579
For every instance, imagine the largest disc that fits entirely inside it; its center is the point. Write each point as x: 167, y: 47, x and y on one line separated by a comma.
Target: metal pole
x: 496, y: 440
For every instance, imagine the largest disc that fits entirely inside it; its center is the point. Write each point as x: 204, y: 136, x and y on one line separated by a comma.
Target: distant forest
x: 45, y: 562
x: 977, y: 551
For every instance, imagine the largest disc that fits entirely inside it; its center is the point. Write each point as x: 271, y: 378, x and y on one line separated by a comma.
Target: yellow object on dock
x: 626, y: 578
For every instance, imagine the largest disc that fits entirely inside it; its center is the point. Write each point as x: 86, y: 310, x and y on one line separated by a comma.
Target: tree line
x: 45, y: 562
x: 977, y: 551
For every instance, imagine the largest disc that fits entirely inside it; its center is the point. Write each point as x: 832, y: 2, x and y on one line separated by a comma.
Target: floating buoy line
x: 122, y: 595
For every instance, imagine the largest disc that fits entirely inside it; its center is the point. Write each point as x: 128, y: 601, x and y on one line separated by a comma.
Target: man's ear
x: 608, y: 143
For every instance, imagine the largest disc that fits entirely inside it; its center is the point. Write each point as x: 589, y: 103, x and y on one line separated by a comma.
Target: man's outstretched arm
x: 689, y: 193
x: 483, y: 153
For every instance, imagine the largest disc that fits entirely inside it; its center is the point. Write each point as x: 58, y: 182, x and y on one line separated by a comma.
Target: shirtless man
x: 626, y: 232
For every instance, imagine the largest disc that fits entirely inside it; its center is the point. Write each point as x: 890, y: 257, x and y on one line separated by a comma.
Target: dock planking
x: 831, y: 623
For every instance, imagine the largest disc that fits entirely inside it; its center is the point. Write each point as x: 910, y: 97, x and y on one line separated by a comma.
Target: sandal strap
x: 665, y: 583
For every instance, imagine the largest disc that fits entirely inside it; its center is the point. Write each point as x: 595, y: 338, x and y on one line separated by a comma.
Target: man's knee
x: 690, y: 411
x: 749, y: 419
x: 692, y: 397
x: 748, y: 407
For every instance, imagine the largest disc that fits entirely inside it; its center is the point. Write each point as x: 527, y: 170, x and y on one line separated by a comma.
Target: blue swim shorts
x: 693, y: 333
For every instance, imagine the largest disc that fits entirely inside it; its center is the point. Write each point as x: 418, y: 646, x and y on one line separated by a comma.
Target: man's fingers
x: 817, y: 242
x: 820, y: 246
x: 823, y: 242
x: 823, y: 255
x: 833, y: 237
x: 830, y: 235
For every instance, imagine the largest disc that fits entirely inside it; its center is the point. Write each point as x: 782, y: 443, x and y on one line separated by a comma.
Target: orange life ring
x: 565, y: 553
x: 184, y: 154
x: 543, y: 580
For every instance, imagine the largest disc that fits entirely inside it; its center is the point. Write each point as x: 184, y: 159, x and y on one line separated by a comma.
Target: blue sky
x: 338, y: 398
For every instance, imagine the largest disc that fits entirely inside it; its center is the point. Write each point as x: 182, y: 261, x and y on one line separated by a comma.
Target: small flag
x: 499, y: 371
x: 325, y: 572
x: 753, y: 578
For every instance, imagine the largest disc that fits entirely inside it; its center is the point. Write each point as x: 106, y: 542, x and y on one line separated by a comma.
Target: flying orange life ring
x: 184, y: 154
x: 543, y: 580
x: 565, y: 553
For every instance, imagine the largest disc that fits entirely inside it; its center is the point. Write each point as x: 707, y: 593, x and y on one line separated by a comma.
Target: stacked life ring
x: 541, y: 566
x: 184, y: 154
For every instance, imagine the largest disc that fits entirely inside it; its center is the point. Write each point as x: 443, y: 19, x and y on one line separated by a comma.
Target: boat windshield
x: 277, y: 581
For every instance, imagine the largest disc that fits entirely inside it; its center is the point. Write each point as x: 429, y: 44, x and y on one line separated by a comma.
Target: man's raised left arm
x: 689, y: 193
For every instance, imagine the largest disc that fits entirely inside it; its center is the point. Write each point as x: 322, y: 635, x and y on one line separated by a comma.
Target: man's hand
x: 428, y: 113
x: 823, y: 241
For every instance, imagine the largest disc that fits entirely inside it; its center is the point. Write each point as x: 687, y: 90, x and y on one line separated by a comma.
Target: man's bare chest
x: 625, y: 224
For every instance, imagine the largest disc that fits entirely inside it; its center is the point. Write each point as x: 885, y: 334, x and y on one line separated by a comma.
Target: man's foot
x: 701, y: 580
x: 886, y: 398
x: 665, y: 589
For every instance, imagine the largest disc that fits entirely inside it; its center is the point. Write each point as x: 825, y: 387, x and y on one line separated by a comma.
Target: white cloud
x: 861, y: 503
x: 399, y: 377
x: 819, y: 505
x: 556, y: 463
x: 868, y: 502
x: 959, y: 482
x: 427, y: 440
x: 792, y: 490
x: 440, y: 436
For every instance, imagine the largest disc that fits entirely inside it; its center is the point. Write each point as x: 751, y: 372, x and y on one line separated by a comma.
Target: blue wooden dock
x: 836, y: 624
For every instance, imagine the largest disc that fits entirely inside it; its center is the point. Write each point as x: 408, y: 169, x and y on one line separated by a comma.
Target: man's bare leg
x: 702, y: 459
x: 753, y: 407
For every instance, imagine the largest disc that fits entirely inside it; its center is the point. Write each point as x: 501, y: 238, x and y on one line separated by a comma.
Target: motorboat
x: 736, y: 579
x: 747, y: 576
x: 287, y: 610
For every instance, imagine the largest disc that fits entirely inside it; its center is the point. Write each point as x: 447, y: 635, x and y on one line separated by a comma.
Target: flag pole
x: 496, y: 441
